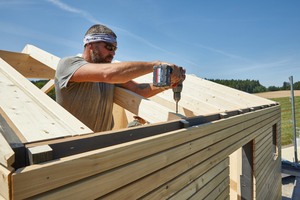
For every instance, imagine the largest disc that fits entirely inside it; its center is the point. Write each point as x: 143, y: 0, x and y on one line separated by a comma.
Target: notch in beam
x: 39, y: 154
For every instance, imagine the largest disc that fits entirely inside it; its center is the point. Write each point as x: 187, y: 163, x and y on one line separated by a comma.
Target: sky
x: 220, y: 39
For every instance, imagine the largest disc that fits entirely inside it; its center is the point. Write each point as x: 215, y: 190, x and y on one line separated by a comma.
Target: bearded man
x: 85, y: 85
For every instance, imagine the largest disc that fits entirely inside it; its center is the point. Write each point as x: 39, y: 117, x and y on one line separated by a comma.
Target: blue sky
x: 221, y: 39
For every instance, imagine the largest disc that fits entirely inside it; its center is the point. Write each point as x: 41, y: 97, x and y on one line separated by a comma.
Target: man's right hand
x: 177, y: 75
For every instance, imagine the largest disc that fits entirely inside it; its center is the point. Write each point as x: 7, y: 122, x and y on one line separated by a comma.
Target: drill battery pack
x: 162, y: 75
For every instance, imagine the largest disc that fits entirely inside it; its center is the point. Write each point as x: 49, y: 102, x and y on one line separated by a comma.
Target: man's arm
x: 112, y: 72
x: 144, y: 89
x: 121, y: 72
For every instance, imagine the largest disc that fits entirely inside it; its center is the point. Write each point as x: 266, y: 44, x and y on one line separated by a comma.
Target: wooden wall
x: 189, y: 163
x: 267, y: 163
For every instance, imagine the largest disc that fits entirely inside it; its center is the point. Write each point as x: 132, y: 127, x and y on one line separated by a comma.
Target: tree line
x: 253, y: 86
x: 250, y: 86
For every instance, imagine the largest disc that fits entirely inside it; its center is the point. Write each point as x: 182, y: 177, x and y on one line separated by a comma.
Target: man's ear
x: 89, y: 46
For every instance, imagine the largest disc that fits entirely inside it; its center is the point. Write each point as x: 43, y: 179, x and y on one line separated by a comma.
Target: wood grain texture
x: 123, y: 153
x: 33, y: 112
x: 7, y: 155
x: 5, y: 182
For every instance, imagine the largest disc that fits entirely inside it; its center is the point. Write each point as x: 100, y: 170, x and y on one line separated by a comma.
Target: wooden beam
x: 48, y: 86
x: 39, y: 154
x: 28, y: 107
x: 5, y: 182
x: 7, y: 155
x: 27, y: 66
x: 146, y: 109
x: 42, y: 56
x: 14, y: 138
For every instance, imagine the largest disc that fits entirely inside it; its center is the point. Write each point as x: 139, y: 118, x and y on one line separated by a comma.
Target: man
x: 85, y: 85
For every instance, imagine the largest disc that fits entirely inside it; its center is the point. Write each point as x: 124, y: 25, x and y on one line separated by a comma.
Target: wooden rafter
x: 28, y: 107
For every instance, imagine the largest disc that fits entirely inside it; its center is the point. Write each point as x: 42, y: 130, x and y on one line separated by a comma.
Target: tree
x: 286, y: 86
x: 260, y: 88
x: 273, y: 88
x: 297, y: 85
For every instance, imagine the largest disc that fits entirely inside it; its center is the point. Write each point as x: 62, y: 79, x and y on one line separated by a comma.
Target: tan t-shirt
x: 90, y: 102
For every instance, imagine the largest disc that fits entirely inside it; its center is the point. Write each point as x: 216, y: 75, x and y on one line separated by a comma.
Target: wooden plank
x: 120, y: 118
x: 143, y: 107
x: 48, y: 86
x: 187, y: 101
x: 263, y: 178
x: 235, y: 173
x: 119, y: 154
x: 5, y: 182
x: 14, y: 138
x: 224, y: 194
x: 166, y: 99
x: 261, y: 136
x: 28, y: 108
x: 263, y: 187
x: 219, y: 93
x: 217, y: 192
x: 42, y: 56
x: 7, y: 155
x: 26, y: 65
x: 170, y: 104
x: 260, y: 143
x: 267, y: 159
x: 265, y: 152
x: 216, y: 98
x: 222, y: 178
x: 243, y: 95
x: 185, y: 183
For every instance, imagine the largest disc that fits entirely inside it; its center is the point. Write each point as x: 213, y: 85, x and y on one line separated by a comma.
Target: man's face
x: 101, y: 54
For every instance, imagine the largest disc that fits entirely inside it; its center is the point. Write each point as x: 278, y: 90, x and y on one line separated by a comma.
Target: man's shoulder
x: 71, y: 58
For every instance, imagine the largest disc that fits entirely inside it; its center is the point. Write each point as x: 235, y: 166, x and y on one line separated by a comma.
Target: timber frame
x: 223, y: 144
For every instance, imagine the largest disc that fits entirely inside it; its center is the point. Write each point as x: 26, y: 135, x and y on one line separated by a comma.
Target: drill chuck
x: 177, y: 94
x: 177, y: 91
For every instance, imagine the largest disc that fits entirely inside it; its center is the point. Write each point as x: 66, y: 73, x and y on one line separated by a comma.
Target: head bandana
x: 97, y: 37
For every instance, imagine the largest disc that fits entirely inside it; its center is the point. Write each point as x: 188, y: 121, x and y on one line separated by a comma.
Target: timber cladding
x: 188, y: 163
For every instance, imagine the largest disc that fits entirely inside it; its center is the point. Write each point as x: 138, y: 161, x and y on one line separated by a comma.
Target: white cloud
x: 74, y: 10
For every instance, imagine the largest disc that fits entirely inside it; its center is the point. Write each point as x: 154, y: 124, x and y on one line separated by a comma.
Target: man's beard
x: 98, y: 58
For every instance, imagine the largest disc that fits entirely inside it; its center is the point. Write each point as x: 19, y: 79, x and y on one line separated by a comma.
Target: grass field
x: 286, y: 114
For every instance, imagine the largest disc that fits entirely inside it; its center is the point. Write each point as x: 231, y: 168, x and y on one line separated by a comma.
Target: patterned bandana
x: 97, y: 37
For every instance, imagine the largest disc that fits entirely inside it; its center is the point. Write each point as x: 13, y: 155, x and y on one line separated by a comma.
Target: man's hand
x: 177, y: 75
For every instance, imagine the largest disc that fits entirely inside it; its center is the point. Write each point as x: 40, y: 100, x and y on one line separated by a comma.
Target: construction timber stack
x: 223, y: 144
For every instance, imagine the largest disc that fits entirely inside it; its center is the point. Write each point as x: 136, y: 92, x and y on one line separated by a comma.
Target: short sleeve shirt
x: 90, y: 102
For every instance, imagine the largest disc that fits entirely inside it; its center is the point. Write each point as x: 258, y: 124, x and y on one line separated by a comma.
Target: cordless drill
x: 162, y: 78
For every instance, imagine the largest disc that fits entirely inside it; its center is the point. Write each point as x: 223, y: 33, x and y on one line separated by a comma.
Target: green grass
x: 286, y: 114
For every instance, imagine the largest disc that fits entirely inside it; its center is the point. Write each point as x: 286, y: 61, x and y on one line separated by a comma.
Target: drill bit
x: 177, y: 94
